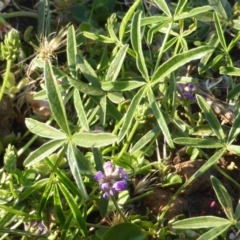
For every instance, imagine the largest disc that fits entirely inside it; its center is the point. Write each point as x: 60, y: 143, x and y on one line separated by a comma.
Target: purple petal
x: 120, y: 185
x: 98, y: 176
x: 104, y: 186
x: 108, y: 168
x: 112, y: 191
x: 106, y: 195
x: 190, y: 85
x: 123, y: 174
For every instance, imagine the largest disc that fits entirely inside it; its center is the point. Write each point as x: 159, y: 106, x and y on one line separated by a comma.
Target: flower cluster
x: 112, y: 180
x: 187, y: 91
x: 36, y: 227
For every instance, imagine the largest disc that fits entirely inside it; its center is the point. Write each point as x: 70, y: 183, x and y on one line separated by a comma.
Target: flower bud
x: 10, y: 159
x: 10, y: 49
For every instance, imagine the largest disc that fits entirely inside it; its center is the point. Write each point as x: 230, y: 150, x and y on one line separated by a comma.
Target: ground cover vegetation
x: 119, y: 119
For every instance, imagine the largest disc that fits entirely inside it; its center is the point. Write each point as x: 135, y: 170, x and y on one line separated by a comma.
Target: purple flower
x: 187, y: 91
x: 35, y: 227
x: 112, y: 180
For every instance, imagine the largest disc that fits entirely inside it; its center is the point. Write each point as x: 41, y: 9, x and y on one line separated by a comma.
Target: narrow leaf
x: 86, y: 88
x: 75, y: 168
x: 43, y: 130
x: 94, y: 139
x: 130, y: 113
x: 219, y: 31
x: 116, y: 64
x: 72, y: 51
x: 215, y: 232
x: 211, y: 118
x: 223, y: 197
x: 235, y: 130
x: 223, y: 8
x: 74, y: 209
x: 163, y: 5
x: 200, y: 222
x: 80, y: 110
x: 87, y: 71
x: 120, y: 86
x: 198, y: 142
x: 160, y: 118
x: 177, y: 61
x: 136, y: 40
x: 126, y: 19
x: 55, y: 98
x: 42, y: 152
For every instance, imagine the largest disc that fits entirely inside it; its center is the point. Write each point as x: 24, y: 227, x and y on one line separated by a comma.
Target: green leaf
x: 222, y: 7
x: 163, y: 5
x: 116, y: 64
x: 103, y: 110
x: 160, y: 118
x: 81, y: 222
x: 43, y: 130
x: 219, y: 31
x: 129, y: 231
x: 80, y: 110
x: 234, y: 149
x: 64, y: 179
x: 235, y: 130
x: 120, y: 86
x: 231, y: 71
x: 200, y: 222
x: 193, y: 12
x: 211, y: 118
x: 55, y: 99
x: 72, y: 51
x: 94, y: 139
x: 58, y: 206
x: 126, y: 19
x: 33, y: 188
x: 136, y: 40
x: 130, y: 113
x: 217, y: 231
x: 145, y: 139
x: 87, y: 71
x: 74, y: 158
x: 237, y: 211
x: 235, y: 91
x: 181, y: 5
x: 97, y: 37
x: 85, y: 88
x: 223, y: 197
x: 42, y: 152
x: 177, y: 61
x: 198, y: 142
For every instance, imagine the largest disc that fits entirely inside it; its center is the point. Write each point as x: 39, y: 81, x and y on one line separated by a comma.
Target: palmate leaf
x: 55, y: 99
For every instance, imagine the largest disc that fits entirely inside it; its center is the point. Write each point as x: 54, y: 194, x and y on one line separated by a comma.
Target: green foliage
x: 113, y: 86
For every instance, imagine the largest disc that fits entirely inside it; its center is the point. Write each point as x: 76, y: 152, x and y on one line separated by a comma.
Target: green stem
x: 129, y: 139
x: 20, y: 14
x: 5, y: 80
x: 118, y: 209
x: 11, y: 187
